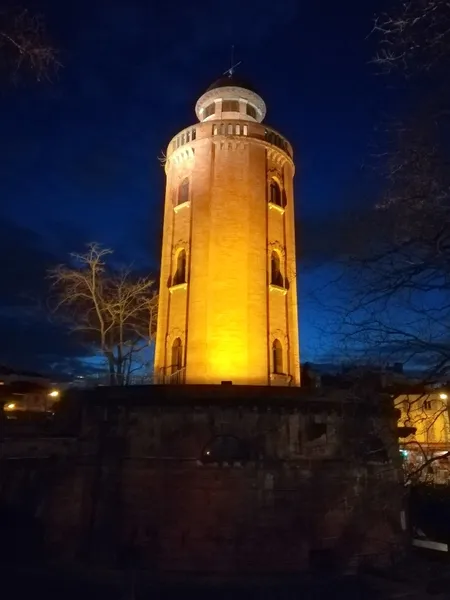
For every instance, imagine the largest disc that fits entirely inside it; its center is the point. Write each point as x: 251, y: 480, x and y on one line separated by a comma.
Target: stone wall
x: 174, y: 480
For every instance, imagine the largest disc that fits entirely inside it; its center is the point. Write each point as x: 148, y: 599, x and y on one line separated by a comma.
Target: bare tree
x: 398, y: 273
x: 113, y: 311
x: 24, y: 44
x: 395, y: 290
x: 392, y: 296
x: 414, y: 36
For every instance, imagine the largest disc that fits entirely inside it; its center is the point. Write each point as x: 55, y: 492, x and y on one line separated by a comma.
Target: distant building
x: 423, y: 424
x: 9, y: 375
x: 25, y: 391
x: 425, y: 429
x: 347, y: 375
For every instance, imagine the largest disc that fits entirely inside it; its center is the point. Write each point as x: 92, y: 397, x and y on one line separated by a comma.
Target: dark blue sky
x: 79, y: 155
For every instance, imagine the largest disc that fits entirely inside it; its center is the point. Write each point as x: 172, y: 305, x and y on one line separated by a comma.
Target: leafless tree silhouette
x: 24, y: 45
x: 414, y: 35
x: 113, y: 311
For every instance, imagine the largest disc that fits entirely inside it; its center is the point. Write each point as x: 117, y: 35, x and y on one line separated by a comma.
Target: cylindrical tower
x: 228, y: 294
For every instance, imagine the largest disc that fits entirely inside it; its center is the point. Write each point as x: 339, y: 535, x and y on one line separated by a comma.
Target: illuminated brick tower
x: 228, y: 294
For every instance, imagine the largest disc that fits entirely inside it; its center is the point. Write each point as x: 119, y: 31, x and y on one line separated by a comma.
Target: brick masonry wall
x: 223, y: 315
x: 135, y: 487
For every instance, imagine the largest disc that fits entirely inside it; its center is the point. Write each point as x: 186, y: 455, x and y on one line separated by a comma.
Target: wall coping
x: 257, y: 398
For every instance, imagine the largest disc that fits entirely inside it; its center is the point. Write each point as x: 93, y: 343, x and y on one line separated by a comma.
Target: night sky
x: 79, y: 154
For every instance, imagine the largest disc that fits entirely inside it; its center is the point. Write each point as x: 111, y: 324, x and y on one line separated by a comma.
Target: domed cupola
x: 230, y: 97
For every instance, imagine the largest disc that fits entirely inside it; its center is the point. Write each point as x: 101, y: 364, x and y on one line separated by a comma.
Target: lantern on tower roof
x: 228, y: 97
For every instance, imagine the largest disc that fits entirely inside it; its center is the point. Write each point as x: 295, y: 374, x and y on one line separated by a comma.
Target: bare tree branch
x: 24, y: 45
x: 115, y: 312
x: 415, y: 36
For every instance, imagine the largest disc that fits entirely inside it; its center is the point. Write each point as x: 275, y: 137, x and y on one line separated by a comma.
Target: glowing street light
x: 443, y: 396
x: 54, y: 394
x: 10, y: 406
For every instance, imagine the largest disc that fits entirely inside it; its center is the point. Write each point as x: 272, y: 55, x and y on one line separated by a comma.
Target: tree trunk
x: 112, y: 370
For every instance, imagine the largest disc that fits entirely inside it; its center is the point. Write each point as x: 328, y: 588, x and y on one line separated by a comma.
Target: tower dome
x: 233, y: 81
x: 230, y: 97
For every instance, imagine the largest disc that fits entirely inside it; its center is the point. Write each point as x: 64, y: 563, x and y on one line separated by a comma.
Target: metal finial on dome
x: 230, y: 71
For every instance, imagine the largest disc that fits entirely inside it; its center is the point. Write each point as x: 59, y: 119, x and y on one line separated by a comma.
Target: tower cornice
x: 186, y: 153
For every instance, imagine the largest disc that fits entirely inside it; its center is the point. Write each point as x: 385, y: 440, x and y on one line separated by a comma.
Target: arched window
x: 180, y: 273
x: 277, y: 357
x: 238, y: 129
x: 276, y: 278
x: 183, y: 191
x: 177, y: 356
x: 275, y: 193
x: 230, y: 129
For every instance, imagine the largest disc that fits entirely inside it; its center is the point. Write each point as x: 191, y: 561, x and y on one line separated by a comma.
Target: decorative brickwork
x: 227, y: 308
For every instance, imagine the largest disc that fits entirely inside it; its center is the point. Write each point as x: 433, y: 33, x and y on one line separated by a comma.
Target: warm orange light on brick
x: 226, y: 313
